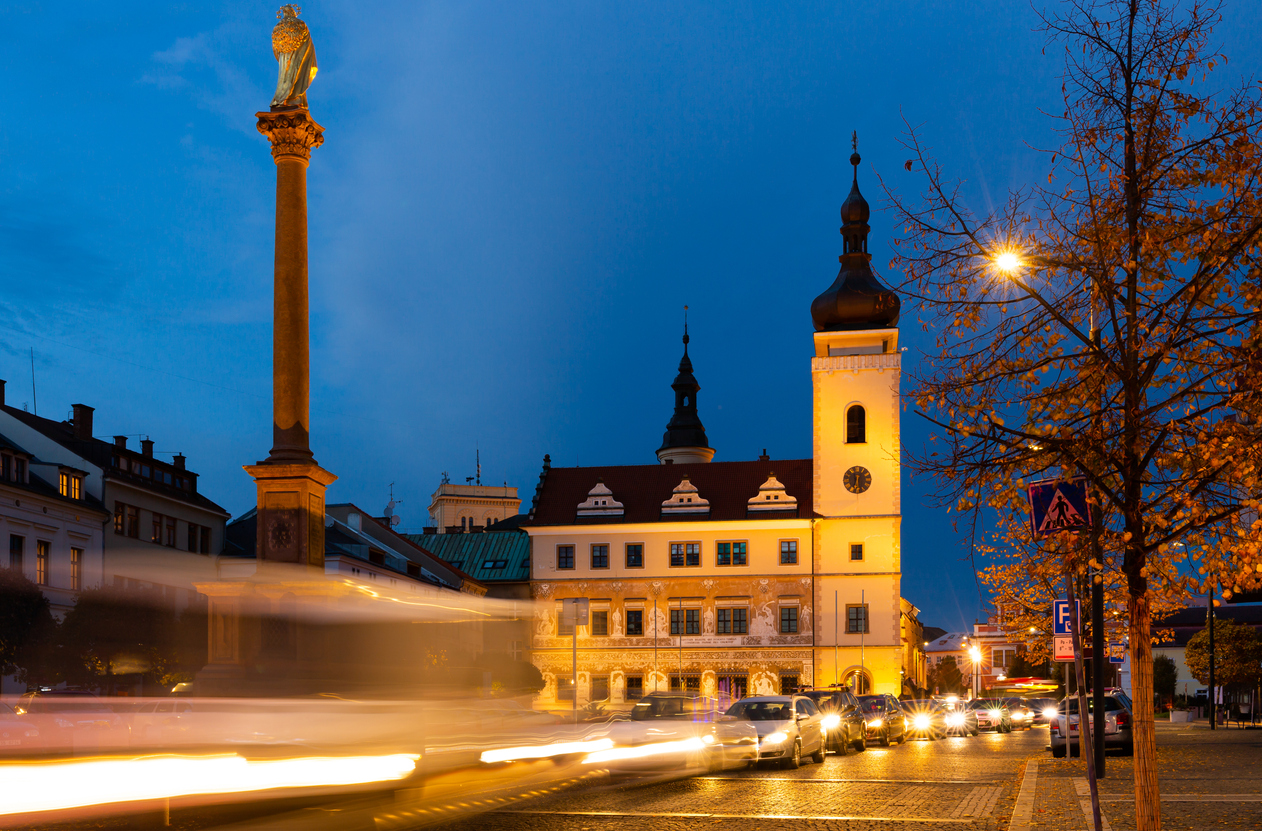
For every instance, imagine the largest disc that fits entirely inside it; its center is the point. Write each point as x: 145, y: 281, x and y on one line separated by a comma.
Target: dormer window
x: 70, y: 485
x: 600, y: 502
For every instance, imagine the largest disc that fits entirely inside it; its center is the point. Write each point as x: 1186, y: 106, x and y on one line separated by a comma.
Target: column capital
x: 293, y: 133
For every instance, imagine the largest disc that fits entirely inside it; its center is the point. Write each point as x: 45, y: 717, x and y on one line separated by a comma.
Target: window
x: 42, y: 548
x: 685, y: 621
x: 733, y: 621
x: 807, y: 707
x: 635, y: 622
x: 565, y: 689
x: 735, y: 685
x: 170, y: 534
x: 635, y: 687
x: 565, y: 556
x: 6, y: 466
x: 600, y: 556
x: 856, y: 551
x: 19, y: 471
x: 856, y: 423
x: 788, y: 684
x: 635, y: 555
x: 685, y: 683
x: 788, y: 552
x: 133, y: 522
x: 685, y: 554
x: 600, y: 623
x: 600, y: 688
x: 856, y: 619
x: 119, y: 509
x: 564, y: 627
x: 205, y: 540
x: 732, y: 554
x: 788, y: 620
x: 514, y: 650
x: 16, y: 546
x: 70, y: 485
x: 156, y: 536
x: 76, y: 568
x: 1002, y: 656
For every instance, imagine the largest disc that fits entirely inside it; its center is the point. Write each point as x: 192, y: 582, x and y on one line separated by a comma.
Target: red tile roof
x: 643, y: 488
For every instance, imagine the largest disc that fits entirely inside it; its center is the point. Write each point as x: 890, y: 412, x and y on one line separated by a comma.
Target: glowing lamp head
x: 1007, y: 262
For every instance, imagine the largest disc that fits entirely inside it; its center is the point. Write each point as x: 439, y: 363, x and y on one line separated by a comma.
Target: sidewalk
x: 1208, y: 779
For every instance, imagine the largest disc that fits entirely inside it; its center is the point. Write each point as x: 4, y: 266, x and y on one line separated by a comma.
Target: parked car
x: 1022, y: 713
x: 1118, y: 722
x: 961, y: 720
x: 1044, y: 709
x: 789, y: 727
x: 16, y: 734
x: 992, y: 714
x: 843, y: 718
x: 885, y: 720
x: 925, y: 719
x: 73, y: 719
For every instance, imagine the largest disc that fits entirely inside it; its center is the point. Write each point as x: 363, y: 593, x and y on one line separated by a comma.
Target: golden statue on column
x: 291, y: 44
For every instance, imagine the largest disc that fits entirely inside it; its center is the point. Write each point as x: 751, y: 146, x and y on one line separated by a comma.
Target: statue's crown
x: 289, y: 32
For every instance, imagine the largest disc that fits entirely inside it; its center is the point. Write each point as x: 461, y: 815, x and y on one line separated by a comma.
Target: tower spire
x: 685, y: 439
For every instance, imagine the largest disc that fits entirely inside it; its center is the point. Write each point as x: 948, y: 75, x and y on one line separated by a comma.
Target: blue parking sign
x: 1063, y: 617
x: 1117, y: 653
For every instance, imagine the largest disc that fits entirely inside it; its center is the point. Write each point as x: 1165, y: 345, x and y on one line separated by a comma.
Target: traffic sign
x: 1058, y: 505
x: 574, y: 611
x: 1063, y: 648
x: 1117, y: 653
x: 1063, y: 617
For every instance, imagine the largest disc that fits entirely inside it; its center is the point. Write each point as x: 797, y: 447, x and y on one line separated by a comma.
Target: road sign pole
x: 1098, y: 661
x: 1084, y: 723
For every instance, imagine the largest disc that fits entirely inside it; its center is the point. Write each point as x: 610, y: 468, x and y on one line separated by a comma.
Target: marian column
x: 290, y: 484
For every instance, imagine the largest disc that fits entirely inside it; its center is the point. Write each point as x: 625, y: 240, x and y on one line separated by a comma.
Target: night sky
x: 510, y: 210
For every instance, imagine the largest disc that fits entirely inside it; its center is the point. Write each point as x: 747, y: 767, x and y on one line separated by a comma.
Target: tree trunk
x: 1143, y: 730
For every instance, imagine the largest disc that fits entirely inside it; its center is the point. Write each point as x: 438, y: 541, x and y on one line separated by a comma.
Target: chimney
x: 120, y: 442
x: 82, y: 422
x: 355, y: 521
x: 1, y: 393
x: 146, y: 447
x: 178, y: 461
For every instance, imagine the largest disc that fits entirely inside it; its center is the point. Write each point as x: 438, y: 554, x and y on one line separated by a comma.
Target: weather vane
x: 854, y: 141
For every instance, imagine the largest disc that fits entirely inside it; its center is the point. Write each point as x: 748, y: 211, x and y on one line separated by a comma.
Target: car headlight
x: 1049, y: 713
x: 876, y: 722
x: 994, y: 714
x: 776, y: 737
x: 921, y: 722
x: 1019, y: 715
x: 954, y: 719
x: 830, y: 721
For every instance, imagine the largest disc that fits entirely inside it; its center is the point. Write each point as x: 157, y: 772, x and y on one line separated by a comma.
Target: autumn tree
x: 26, y: 628
x: 945, y: 677
x: 1165, y: 677
x: 115, y: 631
x: 1237, y: 654
x: 1104, y: 324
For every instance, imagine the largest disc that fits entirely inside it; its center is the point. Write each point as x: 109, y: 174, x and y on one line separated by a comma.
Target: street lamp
x: 1007, y: 261
x: 976, y: 655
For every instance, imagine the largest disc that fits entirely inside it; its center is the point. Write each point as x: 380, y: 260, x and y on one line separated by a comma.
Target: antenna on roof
x: 34, y: 400
x: 446, y: 478
x: 478, y: 455
x: 390, y: 517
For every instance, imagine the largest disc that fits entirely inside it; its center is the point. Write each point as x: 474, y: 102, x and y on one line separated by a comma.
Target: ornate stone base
x: 291, y: 512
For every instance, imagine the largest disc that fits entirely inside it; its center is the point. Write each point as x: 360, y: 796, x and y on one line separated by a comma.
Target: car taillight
x: 1055, y: 724
x: 1123, y: 718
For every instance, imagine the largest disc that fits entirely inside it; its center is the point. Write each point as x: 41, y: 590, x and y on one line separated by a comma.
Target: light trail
x: 54, y: 786
x: 620, y: 753
x: 514, y: 754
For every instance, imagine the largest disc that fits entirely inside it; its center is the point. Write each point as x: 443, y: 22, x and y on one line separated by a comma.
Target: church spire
x: 685, y: 439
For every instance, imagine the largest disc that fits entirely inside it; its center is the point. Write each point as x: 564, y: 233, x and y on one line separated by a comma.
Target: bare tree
x: 1105, y: 324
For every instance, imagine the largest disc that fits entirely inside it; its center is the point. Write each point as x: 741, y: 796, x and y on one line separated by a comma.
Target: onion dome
x: 685, y: 440
x: 856, y: 299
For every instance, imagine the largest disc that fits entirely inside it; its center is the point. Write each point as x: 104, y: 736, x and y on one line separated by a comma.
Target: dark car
x: 885, y: 721
x: 843, y: 718
x: 925, y: 718
x: 992, y: 714
x: 71, y: 719
x: 677, y: 706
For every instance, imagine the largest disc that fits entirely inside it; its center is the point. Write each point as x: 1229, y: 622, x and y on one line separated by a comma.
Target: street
x: 963, y: 783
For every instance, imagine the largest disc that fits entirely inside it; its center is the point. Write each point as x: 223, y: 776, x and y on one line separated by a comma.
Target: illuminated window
x: 42, y: 549
x: 76, y: 568
x: 119, y: 509
x: 1002, y: 656
x: 70, y: 485
x: 856, y: 425
x: 156, y: 535
x: 788, y: 552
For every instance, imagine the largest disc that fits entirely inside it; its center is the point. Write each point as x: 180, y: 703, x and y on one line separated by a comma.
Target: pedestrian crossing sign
x: 1059, y: 506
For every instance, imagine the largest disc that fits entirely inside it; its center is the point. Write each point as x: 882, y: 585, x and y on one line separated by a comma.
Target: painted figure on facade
x: 291, y: 44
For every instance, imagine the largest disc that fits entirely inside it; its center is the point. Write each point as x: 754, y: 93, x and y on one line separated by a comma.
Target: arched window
x: 856, y: 425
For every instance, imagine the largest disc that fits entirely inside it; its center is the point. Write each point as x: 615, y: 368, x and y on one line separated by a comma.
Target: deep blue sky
x: 511, y: 208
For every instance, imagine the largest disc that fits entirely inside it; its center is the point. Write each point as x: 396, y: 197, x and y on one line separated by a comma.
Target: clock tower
x: 855, y: 383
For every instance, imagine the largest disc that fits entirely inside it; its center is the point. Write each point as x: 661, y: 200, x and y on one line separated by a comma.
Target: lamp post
x: 976, y: 655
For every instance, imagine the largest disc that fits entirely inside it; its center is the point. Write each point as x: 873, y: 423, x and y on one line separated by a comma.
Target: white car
x: 789, y: 727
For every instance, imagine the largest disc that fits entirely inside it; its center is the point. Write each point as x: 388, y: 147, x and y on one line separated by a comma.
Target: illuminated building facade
x: 743, y: 577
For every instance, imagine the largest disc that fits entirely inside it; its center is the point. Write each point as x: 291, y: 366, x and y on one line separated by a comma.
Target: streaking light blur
x: 61, y: 785
x: 513, y: 754
x: 640, y: 751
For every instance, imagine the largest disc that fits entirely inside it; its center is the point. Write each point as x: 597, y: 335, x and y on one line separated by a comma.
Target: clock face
x: 857, y: 479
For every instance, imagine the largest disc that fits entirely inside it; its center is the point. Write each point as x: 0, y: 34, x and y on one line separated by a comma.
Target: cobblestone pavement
x: 1207, y: 779
x: 959, y: 784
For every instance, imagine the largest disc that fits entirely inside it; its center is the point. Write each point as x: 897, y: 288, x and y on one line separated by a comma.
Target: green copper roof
x: 497, y: 557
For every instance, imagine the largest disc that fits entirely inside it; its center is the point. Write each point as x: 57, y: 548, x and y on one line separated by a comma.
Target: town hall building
x: 744, y: 577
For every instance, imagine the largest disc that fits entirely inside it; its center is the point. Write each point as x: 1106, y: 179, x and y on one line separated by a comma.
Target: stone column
x: 290, y: 484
